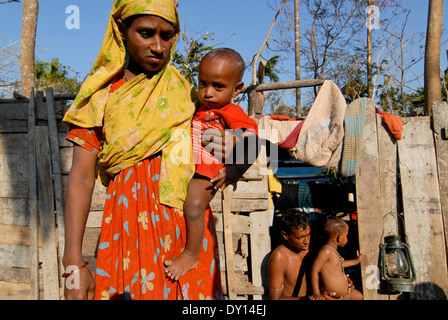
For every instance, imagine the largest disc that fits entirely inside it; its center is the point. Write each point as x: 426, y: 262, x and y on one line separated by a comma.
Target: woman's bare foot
x: 178, y: 267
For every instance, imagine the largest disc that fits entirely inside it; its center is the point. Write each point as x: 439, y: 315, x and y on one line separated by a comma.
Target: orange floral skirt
x: 138, y: 234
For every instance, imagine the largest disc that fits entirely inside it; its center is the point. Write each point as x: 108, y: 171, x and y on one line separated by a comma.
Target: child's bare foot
x: 178, y: 267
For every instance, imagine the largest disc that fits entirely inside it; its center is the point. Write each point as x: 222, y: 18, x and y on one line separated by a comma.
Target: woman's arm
x: 81, y: 182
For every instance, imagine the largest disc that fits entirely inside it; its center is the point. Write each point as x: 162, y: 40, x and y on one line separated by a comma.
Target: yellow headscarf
x: 145, y: 115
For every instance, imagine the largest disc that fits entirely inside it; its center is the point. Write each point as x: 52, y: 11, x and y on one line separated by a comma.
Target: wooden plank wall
x: 399, y: 181
x: 408, y: 177
x: 248, y: 206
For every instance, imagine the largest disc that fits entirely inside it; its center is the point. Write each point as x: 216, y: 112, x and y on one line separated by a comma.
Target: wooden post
x: 228, y: 244
x: 440, y: 128
x: 260, y: 246
x: 368, y: 200
x: 47, y: 215
x: 33, y: 223
x: 422, y: 208
x: 57, y: 176
x: 389, y: 193
x: 256, y: 104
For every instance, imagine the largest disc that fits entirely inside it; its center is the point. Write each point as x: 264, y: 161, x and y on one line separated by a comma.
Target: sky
x: 239, y: 24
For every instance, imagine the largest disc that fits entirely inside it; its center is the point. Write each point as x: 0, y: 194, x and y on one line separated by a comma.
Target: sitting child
x: 327, y: 272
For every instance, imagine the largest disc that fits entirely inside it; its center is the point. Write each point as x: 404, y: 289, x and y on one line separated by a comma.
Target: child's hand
x: 226, y: 176
x: 359, y: 256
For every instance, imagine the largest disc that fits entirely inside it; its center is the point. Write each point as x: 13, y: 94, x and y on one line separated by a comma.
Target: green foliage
x: 271, y: 65
x: 54, y: 74
x: 392, y: 100
x: 187, y: 62
x: 278, y: 106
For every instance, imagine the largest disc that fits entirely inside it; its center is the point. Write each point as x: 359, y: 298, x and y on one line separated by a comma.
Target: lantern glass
x: 397, y: 263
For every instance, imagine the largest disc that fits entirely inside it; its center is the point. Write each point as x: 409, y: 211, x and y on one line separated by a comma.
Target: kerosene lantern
x: 397, y: 266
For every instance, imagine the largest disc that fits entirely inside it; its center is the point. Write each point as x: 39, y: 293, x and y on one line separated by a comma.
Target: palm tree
x: 54, y: 74
x: 270, y: 68
x: 188, y: 63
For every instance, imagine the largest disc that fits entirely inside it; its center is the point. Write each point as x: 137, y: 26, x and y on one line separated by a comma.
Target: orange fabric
x: 393, y: 123
x: 117, y: 85
x: 279, y: 117
x: 138, y: 233
x: 233, y: 117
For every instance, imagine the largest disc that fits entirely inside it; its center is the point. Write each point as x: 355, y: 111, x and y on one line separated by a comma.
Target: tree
x: 54, y: 74
x: 9, y: 58
x: 258, y: 55
x: 188, y: 61
x: 371, y: 14
x: 400, y: 59
x: 28, y: 44
x: 432, y: 55
x: 270, y: 68
x: 297, y: 55
x: 332, y: 32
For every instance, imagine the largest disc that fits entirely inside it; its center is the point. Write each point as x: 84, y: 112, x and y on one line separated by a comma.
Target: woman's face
x: 149, y: 40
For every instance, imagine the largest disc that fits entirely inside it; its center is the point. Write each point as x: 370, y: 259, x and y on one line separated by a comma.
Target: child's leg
x: 354, y: 295
x: 200, y: 193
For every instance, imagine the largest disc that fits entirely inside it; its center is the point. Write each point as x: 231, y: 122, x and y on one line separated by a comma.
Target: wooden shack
x: 405, y: 178
x: 35, y: 163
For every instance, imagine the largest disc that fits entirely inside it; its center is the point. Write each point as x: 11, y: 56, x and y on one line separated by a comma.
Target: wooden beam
x: 260, y: 246
x: 422, y: 208
x: 228, y: 244
x: 368, y: 201
x: 47, y: 215
x: 440, y: 127
x: 57, y: 177
x: 283, y: 85
x: 389, y: 193
x: 33, y: 223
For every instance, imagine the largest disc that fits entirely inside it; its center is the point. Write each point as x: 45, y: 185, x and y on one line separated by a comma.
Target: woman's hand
x: 79, y: 286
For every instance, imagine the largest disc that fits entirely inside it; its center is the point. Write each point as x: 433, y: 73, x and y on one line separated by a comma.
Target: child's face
x: 149, y: 41
x: 218, y: 82
x: 298, y: 239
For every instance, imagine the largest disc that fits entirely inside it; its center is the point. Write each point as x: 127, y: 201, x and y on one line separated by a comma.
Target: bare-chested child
x: 327, y: 272
x: 288, y: 262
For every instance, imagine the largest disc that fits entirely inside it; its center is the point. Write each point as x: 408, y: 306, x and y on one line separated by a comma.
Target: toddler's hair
x: 236, y: 58
x: 334, y: 225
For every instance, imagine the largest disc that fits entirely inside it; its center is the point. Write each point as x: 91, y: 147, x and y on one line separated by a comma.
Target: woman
x: 131, y: 125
